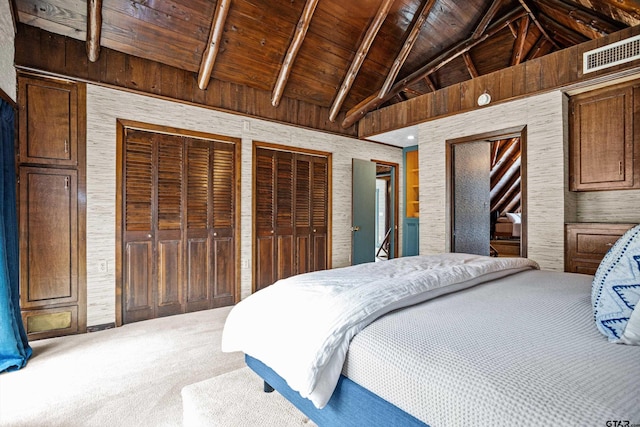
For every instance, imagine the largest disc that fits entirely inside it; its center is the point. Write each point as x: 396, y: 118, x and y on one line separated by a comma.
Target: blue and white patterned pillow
x: 615, y: 293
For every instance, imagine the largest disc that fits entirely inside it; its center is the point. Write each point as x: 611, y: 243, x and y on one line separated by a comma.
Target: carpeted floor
x: 237, y: 399
x: 127, y: 376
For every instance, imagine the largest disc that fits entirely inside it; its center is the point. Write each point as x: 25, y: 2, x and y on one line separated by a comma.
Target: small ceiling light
x: 484, y: 99
x: 411, y: 137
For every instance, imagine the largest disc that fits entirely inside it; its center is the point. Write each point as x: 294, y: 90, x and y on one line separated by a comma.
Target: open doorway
x: 374, y: 211
x: 487, y: 193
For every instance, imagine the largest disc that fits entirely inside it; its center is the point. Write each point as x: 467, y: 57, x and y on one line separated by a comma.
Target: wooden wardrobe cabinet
x: 51, y: 188
x: 604, y: 138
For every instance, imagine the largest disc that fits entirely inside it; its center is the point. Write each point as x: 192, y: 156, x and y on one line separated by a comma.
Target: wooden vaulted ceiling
x: 348, y: 56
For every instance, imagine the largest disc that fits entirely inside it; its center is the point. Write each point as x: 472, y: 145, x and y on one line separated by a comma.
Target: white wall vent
x: 612, y: 54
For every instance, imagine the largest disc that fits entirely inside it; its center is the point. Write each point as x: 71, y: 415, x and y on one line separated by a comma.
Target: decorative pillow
x: 616, y: 290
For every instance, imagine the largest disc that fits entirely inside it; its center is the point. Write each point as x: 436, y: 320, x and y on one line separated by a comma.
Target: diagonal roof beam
x: 518, y: 47
x: 427, y: 5
x: 535, y: 21
x: 373, y: 101
x: 94, y: 27
x: 213, y: 45
x: 292, y: 52
x: 473, y: 72
x: 562, y: 33
x: 589, y: 25
x: 430, y: 83
x: 486, y: 19
x: 362, y: 52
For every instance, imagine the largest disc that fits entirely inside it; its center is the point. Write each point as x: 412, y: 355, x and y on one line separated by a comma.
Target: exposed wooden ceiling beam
x: 94, y: 27
x: 430, y: 83
x: 473, y: 72
x: 213, y: 45
x: 561, y: 33
x: 412, y: 91
x: 486, y: 19
x: 292, y: 52
x: 513, y: 29
x: 541, y: 48
x: 373, y: 101
x: 587, y: 23
x: 407, y: 46
x: 361, y: 54
x: 627, y: 12
x: 518, y: 47
x: 535, y: 21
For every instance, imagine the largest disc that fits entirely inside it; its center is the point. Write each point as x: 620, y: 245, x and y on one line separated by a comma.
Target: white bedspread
x: 301, y: 326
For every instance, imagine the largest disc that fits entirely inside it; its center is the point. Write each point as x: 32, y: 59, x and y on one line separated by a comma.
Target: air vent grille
x: 613, y: 54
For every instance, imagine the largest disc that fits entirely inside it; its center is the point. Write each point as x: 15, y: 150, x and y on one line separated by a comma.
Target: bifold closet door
x: 178, y: 239
x: 291, y: 209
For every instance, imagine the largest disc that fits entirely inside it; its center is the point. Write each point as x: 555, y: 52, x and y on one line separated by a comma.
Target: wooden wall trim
x: 558, y: 70
x: 41, y: 51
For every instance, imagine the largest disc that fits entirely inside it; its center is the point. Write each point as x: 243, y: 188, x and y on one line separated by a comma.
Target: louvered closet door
x: 319, y: 212
x: 210, y: 266
x: 137, y: 240
x: 291, y: 225
x: 179, y: 241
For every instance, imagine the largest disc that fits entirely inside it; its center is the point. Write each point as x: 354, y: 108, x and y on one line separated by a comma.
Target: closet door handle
x: 66, y: 146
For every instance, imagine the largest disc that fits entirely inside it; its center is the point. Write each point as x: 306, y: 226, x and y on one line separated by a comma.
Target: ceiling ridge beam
x: 486, y: 19
x: 427, y: 5
x: 361, y: 54
x: 518, y: 47
x: 292, y: 52
x: 94, y: 28
x: 537, y: 24
x: 373, y: 101
x: 213, y: 45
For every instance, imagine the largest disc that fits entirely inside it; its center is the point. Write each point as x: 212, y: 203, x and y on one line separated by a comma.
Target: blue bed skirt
x: 350, y: 404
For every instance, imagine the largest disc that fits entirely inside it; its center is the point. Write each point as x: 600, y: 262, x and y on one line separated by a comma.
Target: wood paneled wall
x: 52, y: 53
x: 556, y: 70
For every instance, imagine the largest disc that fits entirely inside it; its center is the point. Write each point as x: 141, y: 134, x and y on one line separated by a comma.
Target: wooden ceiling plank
x: 588, y: 24
x: 292, y: 52
x: 473, y: 72
x: 486, y: 19
x: 213, y: 45
x: 94, y: 27
x: 427, y: 5
x: 373, y: 101
x: 518, y: 48
x: 625, y: 11
x: 535, y: 21
x: 361, y: 53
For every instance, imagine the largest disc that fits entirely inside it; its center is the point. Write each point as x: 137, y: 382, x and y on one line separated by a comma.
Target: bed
x: 505, y: 344
x: 508, y: 226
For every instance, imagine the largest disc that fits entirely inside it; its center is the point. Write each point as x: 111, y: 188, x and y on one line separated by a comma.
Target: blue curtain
x: 14, y: 346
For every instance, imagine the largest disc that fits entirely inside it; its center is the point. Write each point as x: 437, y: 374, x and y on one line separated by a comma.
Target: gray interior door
x: 363, y: 211
x: 471, y: 197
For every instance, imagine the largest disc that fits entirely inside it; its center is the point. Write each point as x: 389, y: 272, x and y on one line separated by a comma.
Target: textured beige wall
x: 543, y: 116
x: 105, y: 105
x: 7, y: 51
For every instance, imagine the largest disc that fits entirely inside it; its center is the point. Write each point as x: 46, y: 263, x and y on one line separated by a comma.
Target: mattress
x: 522, y: 350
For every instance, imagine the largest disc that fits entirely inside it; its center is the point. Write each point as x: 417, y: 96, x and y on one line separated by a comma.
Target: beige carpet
x: 128, y: 376
x: 237, y: 399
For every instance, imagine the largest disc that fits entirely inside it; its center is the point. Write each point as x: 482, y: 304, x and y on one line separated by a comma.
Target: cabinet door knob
x: 149, y: 235
x: 215, y: 234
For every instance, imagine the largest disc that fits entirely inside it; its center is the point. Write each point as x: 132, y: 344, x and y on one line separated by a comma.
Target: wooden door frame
x: 512, y: 132
x: 295, y: 150
x: 396, y: 201
x: 122, y: 125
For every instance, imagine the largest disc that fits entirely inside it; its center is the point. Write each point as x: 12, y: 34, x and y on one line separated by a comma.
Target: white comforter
x: 301, y: 326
